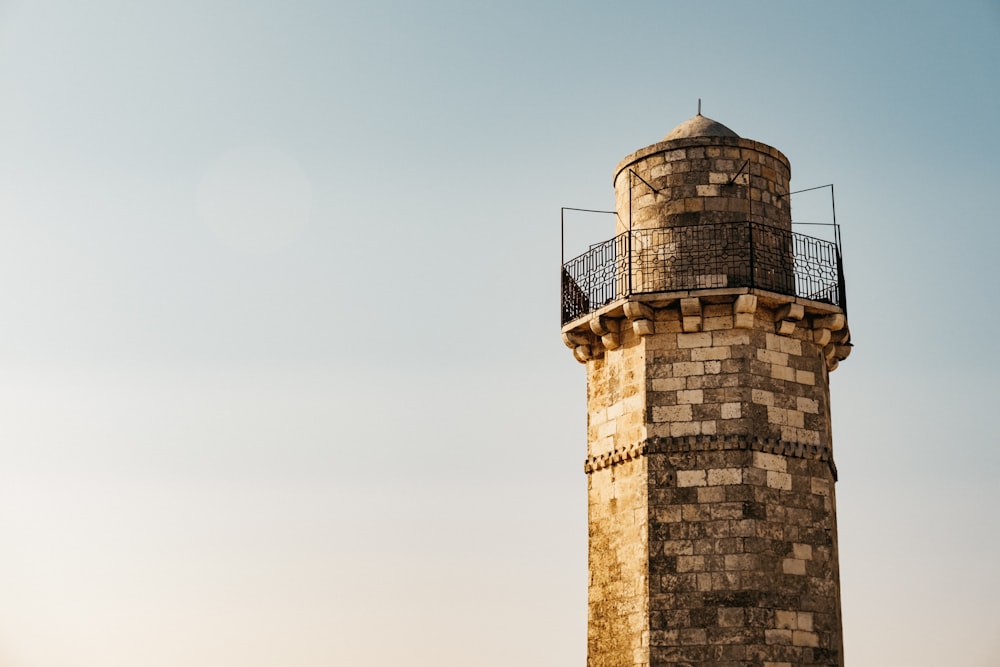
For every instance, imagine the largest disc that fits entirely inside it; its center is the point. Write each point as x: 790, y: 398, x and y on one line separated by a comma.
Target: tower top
x: 700, y: 126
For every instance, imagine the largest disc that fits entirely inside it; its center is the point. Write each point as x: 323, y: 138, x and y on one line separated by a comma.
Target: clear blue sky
x: 280, y: 374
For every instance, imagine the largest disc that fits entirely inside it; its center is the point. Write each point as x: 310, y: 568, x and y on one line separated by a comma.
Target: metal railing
x: 729, y: 254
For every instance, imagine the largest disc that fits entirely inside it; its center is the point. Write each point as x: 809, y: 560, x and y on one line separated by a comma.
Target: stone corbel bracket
x: 787, y: 316
x: 831, y: 333
x: 641, y: 317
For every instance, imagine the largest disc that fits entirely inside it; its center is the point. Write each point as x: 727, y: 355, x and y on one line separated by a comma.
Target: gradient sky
x: 280, y: 373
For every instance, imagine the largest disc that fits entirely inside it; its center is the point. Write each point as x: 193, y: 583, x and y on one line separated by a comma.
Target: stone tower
x: 708, y: 329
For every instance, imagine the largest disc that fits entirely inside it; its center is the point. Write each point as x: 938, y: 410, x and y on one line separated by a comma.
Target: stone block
x: 793, y: 566
x: 689, y: 340
x: 730, y: 337
x: 710, y: 353
x: 669, y: 384
x: 805, y: 377
x: 692, y: 478
x: 779, y: 480
x: 804, y: 638
x: 711, y: 494
x: 725, y: 476
x: 807, y: 405
x: 780, y: 637
x: 802, y: 551
x: 731, y: 617
x: 671, y: 413
x: 643, y: 327
x: 685, y: 368
x: 731, y: 410
x: 786, y: 620
x: 690, y: 396
x: 680, y: 429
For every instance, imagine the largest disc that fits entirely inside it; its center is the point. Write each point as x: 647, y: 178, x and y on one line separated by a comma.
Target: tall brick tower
x: 708, y: 329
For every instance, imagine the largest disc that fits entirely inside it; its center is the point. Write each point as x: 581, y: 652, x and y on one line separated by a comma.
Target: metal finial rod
x: 699, y: 106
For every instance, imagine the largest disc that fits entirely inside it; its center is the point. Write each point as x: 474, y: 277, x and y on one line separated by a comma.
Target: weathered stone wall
x: 618, y: 508
x: 711, y: 502
x: 698, y: 181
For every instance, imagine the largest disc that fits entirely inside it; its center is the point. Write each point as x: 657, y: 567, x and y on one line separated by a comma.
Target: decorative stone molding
x: 590, y: 337
x: 711, y: 443
x: 615, y: 457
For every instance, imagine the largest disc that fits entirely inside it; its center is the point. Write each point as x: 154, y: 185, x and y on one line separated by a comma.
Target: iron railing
x: 729, y: 254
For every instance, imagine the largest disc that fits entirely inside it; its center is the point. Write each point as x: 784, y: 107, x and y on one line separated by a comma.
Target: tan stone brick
x: 693, y: 636
x: 710, y: 353
x: 689, y: 340
x: 685, y: 368
x: 793, y: 566
x: 786, y: 620
x: 713, y: 367
x: 680, y: 429
x: 777, y: 415
x: 690, y: 563
x: 807, y: 405
x: 711, y: 494
x: 820, y: 487
x: 730, y: 337
x: 805, y: 377
x: 783, y: 373
x: 678, y: 547
x: 669, y: 384
x: 691, y: 396
x: 731, y: 411
x: 802, y: 551
x: 771, y: 357
x: 717, y: 323
x: 724, y: 476
x: 671, y: 413
x: 805, y: 620
x: 691, y: 478
x: 762, y: 397
x: 731, y: 617
x: 779, y: 480
x: 709, y: 427
x: 804, y: 638
x: 778, y: 637
x: 790, y: 345
x: 769, y: 462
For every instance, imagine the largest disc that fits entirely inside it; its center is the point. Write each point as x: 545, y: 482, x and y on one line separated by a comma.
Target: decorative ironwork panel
x: 732, y: 254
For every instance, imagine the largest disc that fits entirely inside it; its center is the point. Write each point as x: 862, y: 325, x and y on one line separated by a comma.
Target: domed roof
x: 700, y: 126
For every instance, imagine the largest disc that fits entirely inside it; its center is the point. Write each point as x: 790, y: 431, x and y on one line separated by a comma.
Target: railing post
x: 753, y: 270
x: 628, y: 243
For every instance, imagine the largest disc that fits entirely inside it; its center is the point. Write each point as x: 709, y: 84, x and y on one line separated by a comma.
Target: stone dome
x: 700, y: 126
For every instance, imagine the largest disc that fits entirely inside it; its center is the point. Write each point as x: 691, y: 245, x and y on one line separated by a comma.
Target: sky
x: 281, y: 380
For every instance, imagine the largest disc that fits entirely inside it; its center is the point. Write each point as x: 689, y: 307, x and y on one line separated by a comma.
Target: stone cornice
x: 711, y: 443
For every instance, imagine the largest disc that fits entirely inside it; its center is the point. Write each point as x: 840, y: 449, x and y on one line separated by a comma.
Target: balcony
x: 723, y: 255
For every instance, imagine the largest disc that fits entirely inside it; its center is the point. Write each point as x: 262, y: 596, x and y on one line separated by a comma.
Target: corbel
x: 787, y: 316
x: 691, y: 314
x: 743, y: 311
x: 607, y: 329
x: 641, y: 316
